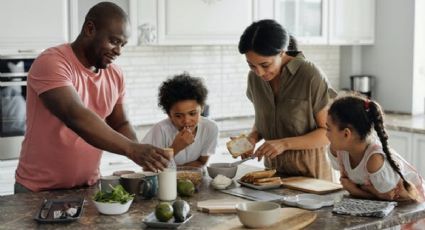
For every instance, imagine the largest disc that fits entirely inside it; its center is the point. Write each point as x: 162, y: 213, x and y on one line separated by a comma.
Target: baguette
x: 268, y: 183
x: 251, y: 176
x: 264, y: 180
x: 239, y: 146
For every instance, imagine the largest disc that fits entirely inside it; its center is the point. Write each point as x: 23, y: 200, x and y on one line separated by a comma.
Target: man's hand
x: 271, y: 149
x: 183, y: 139
x: 149, y: 157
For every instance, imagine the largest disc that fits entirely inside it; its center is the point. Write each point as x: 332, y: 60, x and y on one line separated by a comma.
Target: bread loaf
x: 268, y: 179
x: 239, y: 146
x: 252, y: 176
x: 270, y: 182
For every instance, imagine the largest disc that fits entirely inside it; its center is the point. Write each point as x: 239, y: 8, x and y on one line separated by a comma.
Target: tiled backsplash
x: 223, y: 69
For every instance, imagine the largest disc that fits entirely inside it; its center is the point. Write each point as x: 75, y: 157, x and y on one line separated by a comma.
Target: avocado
x: 185, y: 187
x: 181, y: 210
x: 164, y: 211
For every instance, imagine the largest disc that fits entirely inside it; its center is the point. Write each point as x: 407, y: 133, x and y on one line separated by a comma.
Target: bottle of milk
x: 167, y: 179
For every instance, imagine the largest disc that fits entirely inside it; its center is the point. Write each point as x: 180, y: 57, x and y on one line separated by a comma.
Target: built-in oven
x: 13, y: 93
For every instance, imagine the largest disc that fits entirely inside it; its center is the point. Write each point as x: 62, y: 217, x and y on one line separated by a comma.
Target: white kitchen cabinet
x: 33, y: 25
x: 401, y: 142
x: 419, y: 152
x: 193, y: 22
x: 411, y: 146
x: 307, y: 20
x: 351, y: 22
x: 332, y: 22
x: 79, y: 8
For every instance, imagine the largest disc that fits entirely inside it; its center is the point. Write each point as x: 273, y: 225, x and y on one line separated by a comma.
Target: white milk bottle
x: 167, y: 179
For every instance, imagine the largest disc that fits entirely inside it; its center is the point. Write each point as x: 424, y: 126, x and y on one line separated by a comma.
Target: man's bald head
x: 104, y: 33
x: 102, y: 13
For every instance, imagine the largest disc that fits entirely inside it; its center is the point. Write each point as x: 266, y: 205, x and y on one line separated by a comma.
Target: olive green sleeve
x: 321, y: 91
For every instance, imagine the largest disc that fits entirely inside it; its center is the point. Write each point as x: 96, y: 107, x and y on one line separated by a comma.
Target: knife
x: 236, y: 163
x: 44, y: 213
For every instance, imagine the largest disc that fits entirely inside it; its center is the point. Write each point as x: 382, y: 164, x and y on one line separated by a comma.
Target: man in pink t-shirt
x: 75, y: 109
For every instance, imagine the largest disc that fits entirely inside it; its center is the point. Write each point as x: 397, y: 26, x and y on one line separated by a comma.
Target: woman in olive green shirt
x: 290, y: 96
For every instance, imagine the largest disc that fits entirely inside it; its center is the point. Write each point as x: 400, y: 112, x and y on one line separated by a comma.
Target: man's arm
x: 119, y: 122
x: 65, y: 104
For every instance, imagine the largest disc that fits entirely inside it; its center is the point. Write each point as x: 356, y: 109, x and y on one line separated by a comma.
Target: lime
x: 164, y: 211
x: 185, y: 187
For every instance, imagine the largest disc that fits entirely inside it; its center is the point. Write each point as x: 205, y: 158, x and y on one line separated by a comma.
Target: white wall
x: 222, y: 67
x: 418, y: 96
x: 390, y: 59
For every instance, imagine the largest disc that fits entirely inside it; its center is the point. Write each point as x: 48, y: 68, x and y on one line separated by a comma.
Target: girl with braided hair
x: 369, y: 168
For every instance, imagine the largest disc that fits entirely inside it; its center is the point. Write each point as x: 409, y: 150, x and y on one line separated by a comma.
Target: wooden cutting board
x: 310, y: 185
x: 219, y: 206
x: 291, y: 219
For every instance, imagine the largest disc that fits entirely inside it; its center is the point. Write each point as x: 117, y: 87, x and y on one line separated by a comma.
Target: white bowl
x: 225, y: 169
x: 310, y: 204
x: 258, y: 214
x: 112, y: 208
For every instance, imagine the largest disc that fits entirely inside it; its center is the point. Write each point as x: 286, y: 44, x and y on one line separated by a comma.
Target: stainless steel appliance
x: 13, y: 85
x: 363, y: 84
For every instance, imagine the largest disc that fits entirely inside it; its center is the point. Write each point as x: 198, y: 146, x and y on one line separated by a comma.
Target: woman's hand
x: 253, y: 141
x: 271, y: 149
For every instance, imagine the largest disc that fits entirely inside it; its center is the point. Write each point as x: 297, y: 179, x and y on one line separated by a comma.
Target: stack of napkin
x: 358, y: 207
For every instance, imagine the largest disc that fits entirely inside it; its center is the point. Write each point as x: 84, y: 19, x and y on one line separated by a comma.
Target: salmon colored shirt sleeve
x: 52, y: 155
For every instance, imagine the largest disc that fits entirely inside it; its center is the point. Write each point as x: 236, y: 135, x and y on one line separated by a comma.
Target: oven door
x: 13, y: 108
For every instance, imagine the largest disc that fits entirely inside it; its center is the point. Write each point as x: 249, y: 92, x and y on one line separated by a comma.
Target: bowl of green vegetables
x: 116, y: 202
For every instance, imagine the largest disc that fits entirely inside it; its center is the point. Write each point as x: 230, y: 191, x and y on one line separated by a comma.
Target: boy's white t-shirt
x: 163, y: 133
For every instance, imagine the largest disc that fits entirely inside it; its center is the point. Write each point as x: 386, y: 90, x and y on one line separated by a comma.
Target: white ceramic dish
x: 152, y: 222
x: 259, y: 187
x: 225, y: 169
x: 112, y: 208
x: 308, y: 201
x: 258, y: 214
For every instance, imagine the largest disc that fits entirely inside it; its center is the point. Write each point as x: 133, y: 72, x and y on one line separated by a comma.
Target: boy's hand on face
x: 183, y: 139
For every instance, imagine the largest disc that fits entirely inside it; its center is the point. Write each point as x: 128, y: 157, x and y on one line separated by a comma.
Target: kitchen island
x: 17, y: 211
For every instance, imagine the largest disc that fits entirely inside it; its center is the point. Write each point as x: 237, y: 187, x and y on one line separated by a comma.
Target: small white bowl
x: 310, y: 204
x: 112, y: 208
x: 225, y: 169
x: 258, y: 214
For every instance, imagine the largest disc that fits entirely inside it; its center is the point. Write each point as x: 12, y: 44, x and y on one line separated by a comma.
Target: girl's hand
x: 347, y: 184
x: 354, y: 190
x: 271, y: 149
x: 183, y: 139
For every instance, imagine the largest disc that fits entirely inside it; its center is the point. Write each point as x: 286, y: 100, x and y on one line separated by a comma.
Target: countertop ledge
x: 234, y: 126
x: 405, y: 123
x: 16, y: 211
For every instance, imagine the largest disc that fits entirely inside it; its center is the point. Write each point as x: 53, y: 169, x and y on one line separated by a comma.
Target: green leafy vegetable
x: 118, y: 194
